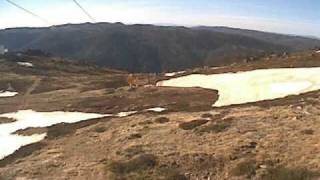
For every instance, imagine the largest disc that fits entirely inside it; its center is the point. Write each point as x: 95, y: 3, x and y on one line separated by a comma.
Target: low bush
x: 135, y: 136
x: 100, y: 129
x: 215, y: 127
x: 283, y: 173
x: 245, y: 168
x: 170, y: 173
x: 59, y: 130
x: 162, y: 120
x: 207, y: 115
x: 139, y: 163
x: 192, y: 124
x: 307, y: 131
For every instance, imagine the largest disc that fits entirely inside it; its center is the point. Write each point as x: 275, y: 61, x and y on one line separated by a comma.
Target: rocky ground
x: 270, y: 140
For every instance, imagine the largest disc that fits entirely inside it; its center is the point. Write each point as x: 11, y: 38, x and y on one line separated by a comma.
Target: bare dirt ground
x: 268, y: 140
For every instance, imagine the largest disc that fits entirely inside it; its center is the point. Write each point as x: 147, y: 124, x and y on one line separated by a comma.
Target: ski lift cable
x: 84, y: 11
x: 29, y: 12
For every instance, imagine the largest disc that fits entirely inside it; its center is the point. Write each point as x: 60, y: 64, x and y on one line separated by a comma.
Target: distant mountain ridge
x: 150, y: 48
x: 294, y: 41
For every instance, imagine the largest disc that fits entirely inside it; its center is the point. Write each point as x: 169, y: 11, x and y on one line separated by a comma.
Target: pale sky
x: 283, y: 16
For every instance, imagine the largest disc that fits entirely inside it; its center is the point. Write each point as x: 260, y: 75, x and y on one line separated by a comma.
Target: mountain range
x: 151, y: 48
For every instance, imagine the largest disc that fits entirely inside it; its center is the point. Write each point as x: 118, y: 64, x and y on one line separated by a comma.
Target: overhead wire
x: 29, y: 12
x: 84, y: 11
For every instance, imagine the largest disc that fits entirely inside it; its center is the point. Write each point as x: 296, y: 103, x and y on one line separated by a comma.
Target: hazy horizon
x: 165, y: 24
x: 286, y: 17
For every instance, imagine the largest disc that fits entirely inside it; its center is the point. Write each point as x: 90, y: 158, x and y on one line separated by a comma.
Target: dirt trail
x: 28, y: 93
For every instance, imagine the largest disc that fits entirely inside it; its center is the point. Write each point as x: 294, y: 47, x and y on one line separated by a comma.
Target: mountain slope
x: 146, y: 48
x: 295, y: 42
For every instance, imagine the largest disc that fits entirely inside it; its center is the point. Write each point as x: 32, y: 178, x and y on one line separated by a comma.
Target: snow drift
x: 25, y: 64
x: 7, y: 94
x: 9, y: 142
x: 252, y: 86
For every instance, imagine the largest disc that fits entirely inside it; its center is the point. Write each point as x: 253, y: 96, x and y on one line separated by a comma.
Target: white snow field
x: 7, y: 94
x: 9, y: 142
x: 252, y: 86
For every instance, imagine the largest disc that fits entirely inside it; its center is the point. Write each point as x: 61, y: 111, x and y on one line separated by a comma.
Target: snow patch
x: 252, y: 86
x: 7, y: 94
x: 173, y: 73
x: 318, y: 51
x: 156, y: 109
x: 9, y: 142
x: 26, y: 64
x: 125, y: 114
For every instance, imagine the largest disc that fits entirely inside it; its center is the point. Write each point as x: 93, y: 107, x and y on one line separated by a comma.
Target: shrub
x: 135, y: 136
x: 215, y: 127
x: 282, y: 173
x: 307, y: 131
x: 139, y: 163
x: 100, y: 129
x: 192, y: 124
x: 145, y: 122
x: 207, y: 115
x: 246, y: 168
x: 162, y: 120
x: 59, y: 130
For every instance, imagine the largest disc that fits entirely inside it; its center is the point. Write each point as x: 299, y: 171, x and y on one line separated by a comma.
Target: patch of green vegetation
x: 162, y: 120
x: 140, y: 163
x: 192, y: 124
x: 245, y: 168
x: 283, y: 173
